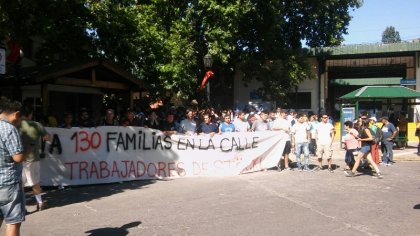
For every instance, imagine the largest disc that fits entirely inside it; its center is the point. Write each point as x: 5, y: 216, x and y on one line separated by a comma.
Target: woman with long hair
x: 365, y: 138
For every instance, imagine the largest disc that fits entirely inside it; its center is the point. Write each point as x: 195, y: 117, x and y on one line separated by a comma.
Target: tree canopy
x: 390, y: 35
x: 163, y: 41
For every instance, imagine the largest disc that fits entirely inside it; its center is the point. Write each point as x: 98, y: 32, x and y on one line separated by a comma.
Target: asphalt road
x: 261, y: 203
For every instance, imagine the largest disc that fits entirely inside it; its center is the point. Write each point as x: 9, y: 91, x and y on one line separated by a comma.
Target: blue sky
x: 370, y: 20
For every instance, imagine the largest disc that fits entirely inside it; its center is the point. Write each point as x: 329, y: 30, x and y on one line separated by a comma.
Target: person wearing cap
x: 389, y: 133
x: 325, y: 133
x: 375, y: 146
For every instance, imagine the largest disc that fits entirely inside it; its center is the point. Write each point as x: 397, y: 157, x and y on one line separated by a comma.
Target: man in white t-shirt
x: 300, y: 141
x: 283, y: 125
x: 325, y: 133
x: 240, y: 123
x: 188, y: 125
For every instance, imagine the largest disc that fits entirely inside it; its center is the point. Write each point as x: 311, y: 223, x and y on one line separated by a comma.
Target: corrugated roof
x: 366, y: 49
x: 381, y: 92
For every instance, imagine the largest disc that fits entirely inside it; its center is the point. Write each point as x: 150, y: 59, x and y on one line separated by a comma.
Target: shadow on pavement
x: 121, y: 231
x: 75, y: 194
x: 416, y: 206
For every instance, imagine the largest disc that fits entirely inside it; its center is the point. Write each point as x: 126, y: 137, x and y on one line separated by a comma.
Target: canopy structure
x: 381, y: 92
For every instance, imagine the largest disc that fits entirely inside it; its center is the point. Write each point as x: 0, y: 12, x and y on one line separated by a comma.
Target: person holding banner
x: 262, y: 123
x: 240, y: 123
x: 207, y: 127
x: 109, y: 119
x: 12, y: 197
x: 227, y: 125
x: 188, y: 125
x: 283, y: 125
x: 169, y: 126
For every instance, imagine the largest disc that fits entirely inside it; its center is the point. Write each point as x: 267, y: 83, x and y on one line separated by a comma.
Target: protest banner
x: 80, y: 156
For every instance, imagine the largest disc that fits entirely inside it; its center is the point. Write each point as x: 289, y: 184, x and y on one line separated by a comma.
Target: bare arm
x: 19, y: 157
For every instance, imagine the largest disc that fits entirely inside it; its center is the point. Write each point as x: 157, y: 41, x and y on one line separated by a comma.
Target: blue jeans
x: 12, y: 204
x: 387, y: 153
x: 299, y: 149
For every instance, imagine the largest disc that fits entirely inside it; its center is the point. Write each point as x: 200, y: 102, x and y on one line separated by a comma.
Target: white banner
x: 114, y: 154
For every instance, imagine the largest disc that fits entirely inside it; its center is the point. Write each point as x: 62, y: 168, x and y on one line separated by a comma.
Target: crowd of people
x: 304, y: 134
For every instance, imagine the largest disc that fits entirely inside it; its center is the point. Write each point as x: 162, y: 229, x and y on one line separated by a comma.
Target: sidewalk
x: 407, y: 154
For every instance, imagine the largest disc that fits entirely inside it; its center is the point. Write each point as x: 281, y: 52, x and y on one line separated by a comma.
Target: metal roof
x: 381, y: 92
x: 366, y: 49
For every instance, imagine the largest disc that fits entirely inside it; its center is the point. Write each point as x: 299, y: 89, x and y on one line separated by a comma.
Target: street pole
x: 208, y: 92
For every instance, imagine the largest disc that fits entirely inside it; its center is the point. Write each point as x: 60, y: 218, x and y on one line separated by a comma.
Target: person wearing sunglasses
x: 325, y: 133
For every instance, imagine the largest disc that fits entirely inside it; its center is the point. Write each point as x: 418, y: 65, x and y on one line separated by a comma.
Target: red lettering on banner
x: 71, y: 168
x: 138, y: 168
x: 93, y: 170
x: 83, y: 165
x: 129, y: 169
x: 170, y: 168
x: 104, y: 169
x: 162, y: 167
x: 180, y: 169
x: 132, y: 171
x: 115, y: 169
x: 126, y: 169
x: 200, y: 168
x: 196, y: 167
x: 148, y: 169
x: 218, y: 164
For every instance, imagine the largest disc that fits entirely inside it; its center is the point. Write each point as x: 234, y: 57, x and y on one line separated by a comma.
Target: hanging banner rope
x: 209, y: 74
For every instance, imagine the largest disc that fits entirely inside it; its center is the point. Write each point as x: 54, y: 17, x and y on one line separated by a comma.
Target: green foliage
x: 163, y: 41
x: 390, y: 35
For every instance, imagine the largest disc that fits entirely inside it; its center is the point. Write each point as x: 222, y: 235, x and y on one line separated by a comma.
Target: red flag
x: 209, y: 74
x: 14, y: 49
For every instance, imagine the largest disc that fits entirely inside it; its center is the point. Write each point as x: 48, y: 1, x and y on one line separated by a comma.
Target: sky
x: 370, y: 21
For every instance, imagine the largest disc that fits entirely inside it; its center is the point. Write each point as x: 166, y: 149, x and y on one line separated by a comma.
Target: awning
x: 381, y: 92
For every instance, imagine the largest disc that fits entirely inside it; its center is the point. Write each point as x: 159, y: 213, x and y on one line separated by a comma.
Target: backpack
x: 377, y: 136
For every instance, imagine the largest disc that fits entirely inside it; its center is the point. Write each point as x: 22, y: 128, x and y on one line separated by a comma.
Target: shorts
x: 287, y: 148
x: 324, y: 149
x: 12, y: 204
x: 31, y: 173
x: 365, y: 149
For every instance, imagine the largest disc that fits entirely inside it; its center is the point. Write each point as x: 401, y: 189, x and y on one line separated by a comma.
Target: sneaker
x: 330, y: 170
x: 278, y: 168
x: 288, y: 168
x: 379, y: 175
x: 383, y: 164
x: 41, y: 206
x: 306, y: 169
x: 317, y: 168
x: 349, y: 173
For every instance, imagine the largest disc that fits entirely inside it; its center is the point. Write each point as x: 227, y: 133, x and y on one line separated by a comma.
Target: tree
x: 163, y: 41
x: 390, y: 35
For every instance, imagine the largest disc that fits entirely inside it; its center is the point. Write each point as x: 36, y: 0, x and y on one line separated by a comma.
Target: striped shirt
x: 10, y: 144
